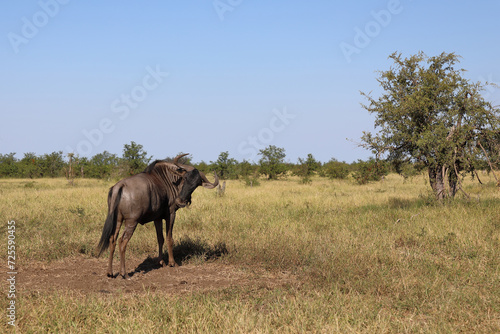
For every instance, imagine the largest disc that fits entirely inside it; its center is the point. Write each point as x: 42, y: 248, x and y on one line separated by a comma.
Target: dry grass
x: 383, y: 257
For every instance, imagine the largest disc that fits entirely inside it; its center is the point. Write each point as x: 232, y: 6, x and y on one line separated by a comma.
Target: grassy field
x: 378, y: 258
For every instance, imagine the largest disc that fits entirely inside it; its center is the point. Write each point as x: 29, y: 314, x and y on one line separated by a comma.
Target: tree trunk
x: 437, y: 181
x: 453, y: 183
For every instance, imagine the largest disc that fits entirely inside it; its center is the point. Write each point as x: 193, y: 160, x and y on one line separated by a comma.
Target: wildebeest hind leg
x: 159, y: 236
x: 127, y: 234
x: 112, y: 245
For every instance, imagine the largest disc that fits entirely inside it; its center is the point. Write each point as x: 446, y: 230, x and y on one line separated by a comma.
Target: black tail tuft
x: 110, y: 224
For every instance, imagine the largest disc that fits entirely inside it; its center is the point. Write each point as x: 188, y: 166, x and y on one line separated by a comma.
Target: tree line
x: 55, y: 164
x: 134, y: 159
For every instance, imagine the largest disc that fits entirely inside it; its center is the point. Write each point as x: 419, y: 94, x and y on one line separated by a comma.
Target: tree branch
x: 477, y: 175
x: 459, y: 181
x: 489, y: 162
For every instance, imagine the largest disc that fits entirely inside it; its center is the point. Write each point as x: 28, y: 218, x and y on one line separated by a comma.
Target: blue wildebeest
x: 153, y: 195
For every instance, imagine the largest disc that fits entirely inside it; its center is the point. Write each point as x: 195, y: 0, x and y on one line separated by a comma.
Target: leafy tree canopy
x: 135, y: 157
x: 430, y: 114
x: 272, y: 162
x: 225, y: 166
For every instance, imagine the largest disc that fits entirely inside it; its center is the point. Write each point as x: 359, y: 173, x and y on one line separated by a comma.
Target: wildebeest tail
x: 108, y: 230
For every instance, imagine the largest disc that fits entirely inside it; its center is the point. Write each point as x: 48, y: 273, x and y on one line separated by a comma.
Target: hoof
x: 162, y: 263
x: 172, y: 264
x: 110, y: 275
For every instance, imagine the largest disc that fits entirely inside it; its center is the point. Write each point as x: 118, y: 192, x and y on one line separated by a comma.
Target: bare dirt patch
x: 88, y: 275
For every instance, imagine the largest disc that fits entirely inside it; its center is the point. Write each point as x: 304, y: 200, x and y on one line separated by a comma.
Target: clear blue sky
x: 206, y: 77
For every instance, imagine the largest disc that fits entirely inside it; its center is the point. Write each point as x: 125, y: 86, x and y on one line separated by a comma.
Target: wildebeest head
x: 192, y: 179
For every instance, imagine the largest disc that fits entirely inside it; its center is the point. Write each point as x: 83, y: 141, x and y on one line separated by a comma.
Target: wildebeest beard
x: 187, y: 201
x: 191, y: 182
x: 182, y: 202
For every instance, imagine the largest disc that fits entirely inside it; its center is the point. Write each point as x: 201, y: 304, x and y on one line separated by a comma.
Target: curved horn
x: 176, y: 159
x: 207, y: 184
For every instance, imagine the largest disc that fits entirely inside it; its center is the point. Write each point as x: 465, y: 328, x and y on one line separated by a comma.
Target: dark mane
x: 151, y: 166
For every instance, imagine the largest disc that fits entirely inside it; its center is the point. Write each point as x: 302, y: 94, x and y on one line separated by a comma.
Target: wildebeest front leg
x: 127, y: 234
x: 159, y: 236
x: 170, y: 241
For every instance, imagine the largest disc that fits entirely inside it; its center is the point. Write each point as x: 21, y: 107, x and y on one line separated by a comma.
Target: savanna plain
x: 281, y: 257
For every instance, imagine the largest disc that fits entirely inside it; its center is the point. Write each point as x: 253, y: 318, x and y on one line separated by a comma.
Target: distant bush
x: 8, y: 165
x: 225, y: 167
x: 407, y: 169
x: 334, y: 169
x: 371, y: 170
x: 251, y: 181
x: 306, y: 168
x: 272, y: 162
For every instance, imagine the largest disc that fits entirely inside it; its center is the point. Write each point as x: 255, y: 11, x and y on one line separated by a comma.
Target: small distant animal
x: 153, y: 195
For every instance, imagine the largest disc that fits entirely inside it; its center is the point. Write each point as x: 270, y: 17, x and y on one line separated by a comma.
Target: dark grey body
x: 153, y: 195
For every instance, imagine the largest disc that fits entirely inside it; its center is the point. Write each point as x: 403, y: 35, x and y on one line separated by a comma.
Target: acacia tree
x: 428, y: 113
x: 306, y: 168
x: 272, y: 162
x: 8, y: 165
x: 102, y: 165
x: 135, y: 158
x: 52, y: 165
x: 335, y: 169
x: 29, y: 165
x: 225, y: 166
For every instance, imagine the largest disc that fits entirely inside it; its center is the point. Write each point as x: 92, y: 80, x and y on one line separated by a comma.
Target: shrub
x: 335, y: 169
x: 371, y: 170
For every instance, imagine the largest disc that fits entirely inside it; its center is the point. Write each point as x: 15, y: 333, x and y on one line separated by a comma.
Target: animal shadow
x: 184, y: 250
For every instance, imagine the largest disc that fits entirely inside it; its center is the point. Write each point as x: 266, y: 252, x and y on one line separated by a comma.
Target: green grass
x: 382, y: 257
